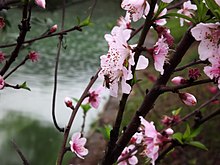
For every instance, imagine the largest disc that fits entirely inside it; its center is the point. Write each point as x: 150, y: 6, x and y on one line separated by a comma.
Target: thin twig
x: 196, y: 62
x: 56, y: 72
x: 83, y: 123
x: 25, y: 161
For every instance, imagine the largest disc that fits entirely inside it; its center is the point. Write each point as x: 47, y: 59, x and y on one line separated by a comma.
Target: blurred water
x: 78, y: 62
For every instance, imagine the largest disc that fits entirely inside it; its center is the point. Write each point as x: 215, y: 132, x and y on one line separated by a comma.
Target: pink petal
x: 142, y: 63
x: 41, y: 3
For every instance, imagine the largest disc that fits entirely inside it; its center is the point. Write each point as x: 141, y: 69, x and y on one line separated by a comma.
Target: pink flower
x: 53, y: 28
x: 136, y: 8
x: 167, y: 1
x: 2, y: 22
x: 124, y: 22
x: 33, y: 56
x: 169, y: 131
x: 165, y: 32
x: 218, y: 2
x: 160, y: 52
x: 68, y: 101
x: 208, y: 34
x: 187, y: 10
x: 41, y: 3
x: 137, y: 138
x: 132, y: 159
x: 151, y: 140
x: 2, y: 82
x: 213, y: 71
x: 77, y: 145
x: 188, y: 99
x: 178, y: 80
x: 94, y: 97
x: 2, y: 56
x: 163, y: 21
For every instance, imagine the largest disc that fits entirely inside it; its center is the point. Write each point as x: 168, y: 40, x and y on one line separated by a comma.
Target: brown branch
x: 68, y: 127
x: 191, y: 64
x: 153, y: 94
x: 25, y: 161
x: 64, y: 32
x: 24, y: 27
x: 182, y: 86
x: 210, y: 116
x: 56, y: 72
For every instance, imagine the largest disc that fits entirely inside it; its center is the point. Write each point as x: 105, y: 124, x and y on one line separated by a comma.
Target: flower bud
x: 2, y: 82
x: 53, y: 28
x: 178, y: 80
x: 41, y: 3
x: 68, y: 101
x: 169, y: 131
x: 188, y: 99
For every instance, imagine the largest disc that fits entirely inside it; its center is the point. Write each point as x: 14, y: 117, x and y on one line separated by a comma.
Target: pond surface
x: 79, y: 61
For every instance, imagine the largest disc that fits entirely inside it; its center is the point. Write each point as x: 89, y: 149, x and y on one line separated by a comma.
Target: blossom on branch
x: 208, y: 34
x: 187, y: 10
x: 41, y: 3
x: 94, y: 97
x: 53, y: 28
x: 160, y: 52
x: 213, y: 71
x: 68, y: 101
x: 77, y: 145
x: 132, y: 159
x: 2, y: 56
x: 137, y: 9
x: 218, y: 2
x: 2, y: 82
x: 33, y: 56
x: 178, y: 80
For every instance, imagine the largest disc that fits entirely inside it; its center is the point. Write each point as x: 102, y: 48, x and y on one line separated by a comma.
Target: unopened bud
x: 188, y: 99
x: 68, y: 101
x: 53, y: 28
x: 178, y: 80
x: 169, y: 131
x: 33, y: 56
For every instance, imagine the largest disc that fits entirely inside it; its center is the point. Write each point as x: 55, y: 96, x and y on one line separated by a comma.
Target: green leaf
x: 85, y: 107
x: 176, y: 112
x: 105, y: 131
x: 85, y: 22
x: 24, y: 86
x: 198, y: 145
x: 177, y: 15
x: 195, y: 132
x: 178, y: 136
x: 187, y: 133
x: 213, y: 6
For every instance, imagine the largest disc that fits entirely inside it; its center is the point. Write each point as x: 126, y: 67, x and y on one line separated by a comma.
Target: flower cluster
x: 209, y: 47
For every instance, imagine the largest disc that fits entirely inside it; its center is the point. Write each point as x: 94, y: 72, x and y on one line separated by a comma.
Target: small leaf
x: 195, y: 132
x: 85, y: 22
x: 85, y: 107
x: 198, y: 145
x: 105, y: 131
x: 177, y: 15
x: 178, y: 136
x: 187, y: 132
x: 24, y: 86
x: 176, y: 112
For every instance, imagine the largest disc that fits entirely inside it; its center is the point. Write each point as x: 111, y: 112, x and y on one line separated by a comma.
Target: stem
x: 68, y: 127
x: 116, y: 128
x: 24, y: 27
x: 83, y: 124
x: 56, y: 72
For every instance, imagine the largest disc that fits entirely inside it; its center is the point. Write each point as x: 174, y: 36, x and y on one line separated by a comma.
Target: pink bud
x: 2, y: 56
x: 212, y: 89
x: 188, y: 99
x: 2, y: 22
x: 169, y: 131
x: 2, y: 82
x: 68, y: 101
x: 41, y: 3
x: 33, y: 56
x: 53, y: 28
x: 178, y: 80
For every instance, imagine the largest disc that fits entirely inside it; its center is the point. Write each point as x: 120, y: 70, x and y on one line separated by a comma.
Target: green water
x: 26, y: 116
